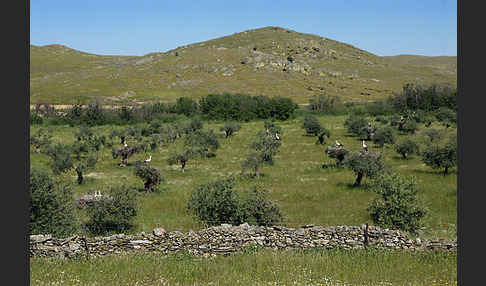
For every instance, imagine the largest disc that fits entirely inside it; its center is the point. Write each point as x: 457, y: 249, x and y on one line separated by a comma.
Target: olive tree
x: 337, y: 153
x: 441, y: 156
x: 230, y: 127
x: 384, y: 135
x: 126, y: 152
x: 181, y: 157
x: 252, y: 163
x: 364, y: 164
x: 312, y: 125
x: 359, y: 126
x: 150, y: 175
x: 406, y: 147
x: 205, y: 143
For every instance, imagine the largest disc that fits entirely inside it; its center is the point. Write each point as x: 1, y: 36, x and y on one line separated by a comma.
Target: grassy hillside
x: 268, y: 61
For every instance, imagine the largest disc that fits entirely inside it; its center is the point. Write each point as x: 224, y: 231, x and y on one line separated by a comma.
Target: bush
x: 258, y: 210
x: 398, y: 206
x: 444, y: 156
x: 384, y: 135
x: 312, y: 125
x: 364, y: 164
x: 252, y: 163
x: 51, y: 206
x: 150, y: 175
x: 218, y: 202
x: 407, y: 147
x: 113, y: 214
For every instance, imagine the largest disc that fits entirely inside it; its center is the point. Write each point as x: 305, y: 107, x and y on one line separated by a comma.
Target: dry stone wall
x: 227, y: 238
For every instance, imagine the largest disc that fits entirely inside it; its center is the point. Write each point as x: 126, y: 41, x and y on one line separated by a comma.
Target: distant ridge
x: 269, y: 61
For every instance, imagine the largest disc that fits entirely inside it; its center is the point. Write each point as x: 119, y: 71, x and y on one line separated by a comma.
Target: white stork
x: 149, y: 159
x: 364, y: 146
x: 276, y: 136
x: 338, y: 144
x: 126, y: 145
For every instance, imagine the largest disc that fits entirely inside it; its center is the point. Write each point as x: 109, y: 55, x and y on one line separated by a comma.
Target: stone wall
x: 226, y: 238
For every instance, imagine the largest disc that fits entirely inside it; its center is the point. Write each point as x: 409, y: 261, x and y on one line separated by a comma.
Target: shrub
x: 364, y: 164
x: 312, y: 125
x: 398, y: 206
x: 257, y: 209
x: 407, y: 147
x: 150, y: 175
x: 384, y: 135
x: 218, y: 202
x: 444, y: 156
x: 113, y: 214
x: 51, y: 206
x: 230, y: 127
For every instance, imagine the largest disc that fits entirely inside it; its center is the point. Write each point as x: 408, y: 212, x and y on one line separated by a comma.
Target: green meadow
x: 306, y: 192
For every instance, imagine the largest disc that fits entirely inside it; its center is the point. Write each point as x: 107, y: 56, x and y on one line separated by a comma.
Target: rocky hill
x: 267, y: 61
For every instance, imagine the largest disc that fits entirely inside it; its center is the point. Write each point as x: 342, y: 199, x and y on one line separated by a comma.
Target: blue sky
x: 138, y: 27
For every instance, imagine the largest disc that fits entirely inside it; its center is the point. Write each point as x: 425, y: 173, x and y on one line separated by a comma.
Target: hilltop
x: 268, y: 61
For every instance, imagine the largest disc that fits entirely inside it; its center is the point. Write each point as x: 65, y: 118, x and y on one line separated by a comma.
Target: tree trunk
x: 446, y: 170
x: 183, y: 165
x: 124, y: 160
x: 122, y: 138
x: 80, y: 177
x: 404, y: 155
x: 147, y: 186
x: 358, y: 180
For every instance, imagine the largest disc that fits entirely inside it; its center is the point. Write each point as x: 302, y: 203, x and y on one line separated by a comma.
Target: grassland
x: 307, y: 193
x: 254, y: 62
x: 265, y: 267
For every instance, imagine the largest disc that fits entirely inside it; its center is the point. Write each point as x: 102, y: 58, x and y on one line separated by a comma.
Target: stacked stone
x: 227, y: 238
